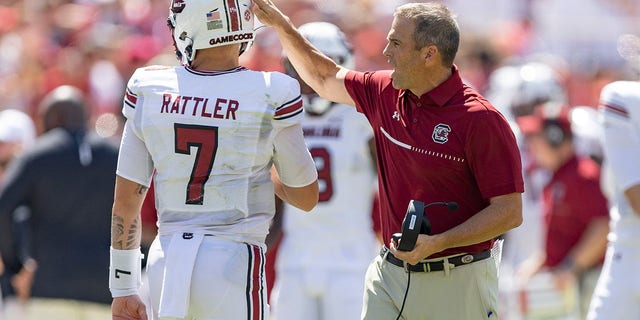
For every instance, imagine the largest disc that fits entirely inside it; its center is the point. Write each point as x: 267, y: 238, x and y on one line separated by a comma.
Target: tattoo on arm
x: 133, y: 235
x: 125, y: 237
x: 117, y: 230
x: 126, y: 230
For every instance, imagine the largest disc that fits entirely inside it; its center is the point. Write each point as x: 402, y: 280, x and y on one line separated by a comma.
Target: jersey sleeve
x: 292, y: 158
x: 132, y: 101
x: 620, y: 115
x: 288, y: 101
x: 134, y: 160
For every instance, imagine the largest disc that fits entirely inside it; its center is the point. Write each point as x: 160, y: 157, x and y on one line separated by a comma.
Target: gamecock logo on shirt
x: 441, y: 133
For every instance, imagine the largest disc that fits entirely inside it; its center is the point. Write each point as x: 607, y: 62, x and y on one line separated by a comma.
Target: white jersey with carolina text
x: 620, y: 111
x: 338, y: 232
x: 211, y: 138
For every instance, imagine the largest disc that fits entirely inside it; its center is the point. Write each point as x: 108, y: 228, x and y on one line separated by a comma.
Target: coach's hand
x: 128, y: 308
x: 268, y: 13
x: 426, y: 245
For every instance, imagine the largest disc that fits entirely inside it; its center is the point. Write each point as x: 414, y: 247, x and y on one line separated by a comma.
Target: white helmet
x: 331, y: 41
x: 503, y: 88
x: 17, y: 127
x: 518, y: 90
x: 201, y: 24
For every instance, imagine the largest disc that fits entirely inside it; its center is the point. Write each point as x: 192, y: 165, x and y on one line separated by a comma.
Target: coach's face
x: 401, y: 52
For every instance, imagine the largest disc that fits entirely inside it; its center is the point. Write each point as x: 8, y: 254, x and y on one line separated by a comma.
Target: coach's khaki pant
x: 54, y: 309
x: 468, y: 292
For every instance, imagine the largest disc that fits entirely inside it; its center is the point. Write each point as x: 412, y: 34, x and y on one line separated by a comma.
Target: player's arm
x: 126, y: 234
x: 294, y: 173
x: 633, y: 196
x: 126, y: 225
x: 316, y: 69
x: 275, y: 229
x: 304, y: 198
x: 590, y: 248
x: 133, y: 177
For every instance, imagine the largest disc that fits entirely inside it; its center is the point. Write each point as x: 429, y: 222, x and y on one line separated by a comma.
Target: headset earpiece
x: 554, y: 133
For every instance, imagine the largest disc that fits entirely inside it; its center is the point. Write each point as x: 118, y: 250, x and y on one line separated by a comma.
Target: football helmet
x: 517, y: 90
x: 201, y: 24
x: 331, y: 41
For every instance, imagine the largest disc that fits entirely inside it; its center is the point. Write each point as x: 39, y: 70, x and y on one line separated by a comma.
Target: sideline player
x: 617, y: 294
x: 323, y: 257
x: 221, y: 139
x: 574, y: 211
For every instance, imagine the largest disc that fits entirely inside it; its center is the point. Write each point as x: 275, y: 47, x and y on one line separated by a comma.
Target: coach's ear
x: 428, y: 53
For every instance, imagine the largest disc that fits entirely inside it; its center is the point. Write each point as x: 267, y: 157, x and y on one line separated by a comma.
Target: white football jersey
x: 211, y: 138
x: 620, y: 111
x: 338, y: 232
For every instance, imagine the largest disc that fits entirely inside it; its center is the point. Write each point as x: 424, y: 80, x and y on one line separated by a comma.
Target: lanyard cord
x: 405, y: 294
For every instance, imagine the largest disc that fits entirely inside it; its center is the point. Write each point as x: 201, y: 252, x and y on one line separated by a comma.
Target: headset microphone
x: 416, y: 222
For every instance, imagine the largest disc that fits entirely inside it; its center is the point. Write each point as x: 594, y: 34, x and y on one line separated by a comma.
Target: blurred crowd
x: 96, y: 44
x: 578, y: 46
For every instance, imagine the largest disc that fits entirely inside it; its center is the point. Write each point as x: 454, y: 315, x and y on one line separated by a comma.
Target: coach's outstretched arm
x: 316, y: 69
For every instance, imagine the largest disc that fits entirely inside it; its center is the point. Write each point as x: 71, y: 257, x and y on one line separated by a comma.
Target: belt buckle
x: 466, y: 259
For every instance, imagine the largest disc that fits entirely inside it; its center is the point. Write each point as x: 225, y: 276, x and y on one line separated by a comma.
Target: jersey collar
x: 215, y: 72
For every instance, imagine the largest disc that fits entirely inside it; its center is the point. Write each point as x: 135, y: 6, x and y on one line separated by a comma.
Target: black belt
x: 435, y: 265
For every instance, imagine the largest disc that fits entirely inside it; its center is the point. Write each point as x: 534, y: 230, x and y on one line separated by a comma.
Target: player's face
x: 402, y: 54
x: 542, y: 151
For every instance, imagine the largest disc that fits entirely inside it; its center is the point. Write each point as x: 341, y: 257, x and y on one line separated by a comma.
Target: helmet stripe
x: 233, y: 16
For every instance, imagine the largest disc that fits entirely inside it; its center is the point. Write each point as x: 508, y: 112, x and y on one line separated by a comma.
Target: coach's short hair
x: 434, y: 25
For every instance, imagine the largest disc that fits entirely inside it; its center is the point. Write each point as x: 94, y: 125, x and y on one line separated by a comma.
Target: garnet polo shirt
x: 450, y: 144
x: 570, y: 202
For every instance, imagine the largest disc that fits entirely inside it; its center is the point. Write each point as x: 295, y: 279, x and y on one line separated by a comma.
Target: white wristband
x: 125, y: 272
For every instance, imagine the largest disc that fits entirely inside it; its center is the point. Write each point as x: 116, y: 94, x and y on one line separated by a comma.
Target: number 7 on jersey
x: 205, y: 139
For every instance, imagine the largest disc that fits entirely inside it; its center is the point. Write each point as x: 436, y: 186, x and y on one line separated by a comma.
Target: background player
x: 574, y: 212
x: 617, y: 294
x: 323, y: 257
x: 212, y: 130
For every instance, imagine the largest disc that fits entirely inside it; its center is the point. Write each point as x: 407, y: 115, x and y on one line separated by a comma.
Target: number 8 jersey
x: 211, y: 138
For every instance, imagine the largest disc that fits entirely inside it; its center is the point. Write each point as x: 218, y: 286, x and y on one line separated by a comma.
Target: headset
x: 554, y: 132
x: 416, y: 222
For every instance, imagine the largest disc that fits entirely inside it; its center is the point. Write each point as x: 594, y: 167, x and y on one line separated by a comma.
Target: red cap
x: 536, y: 122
